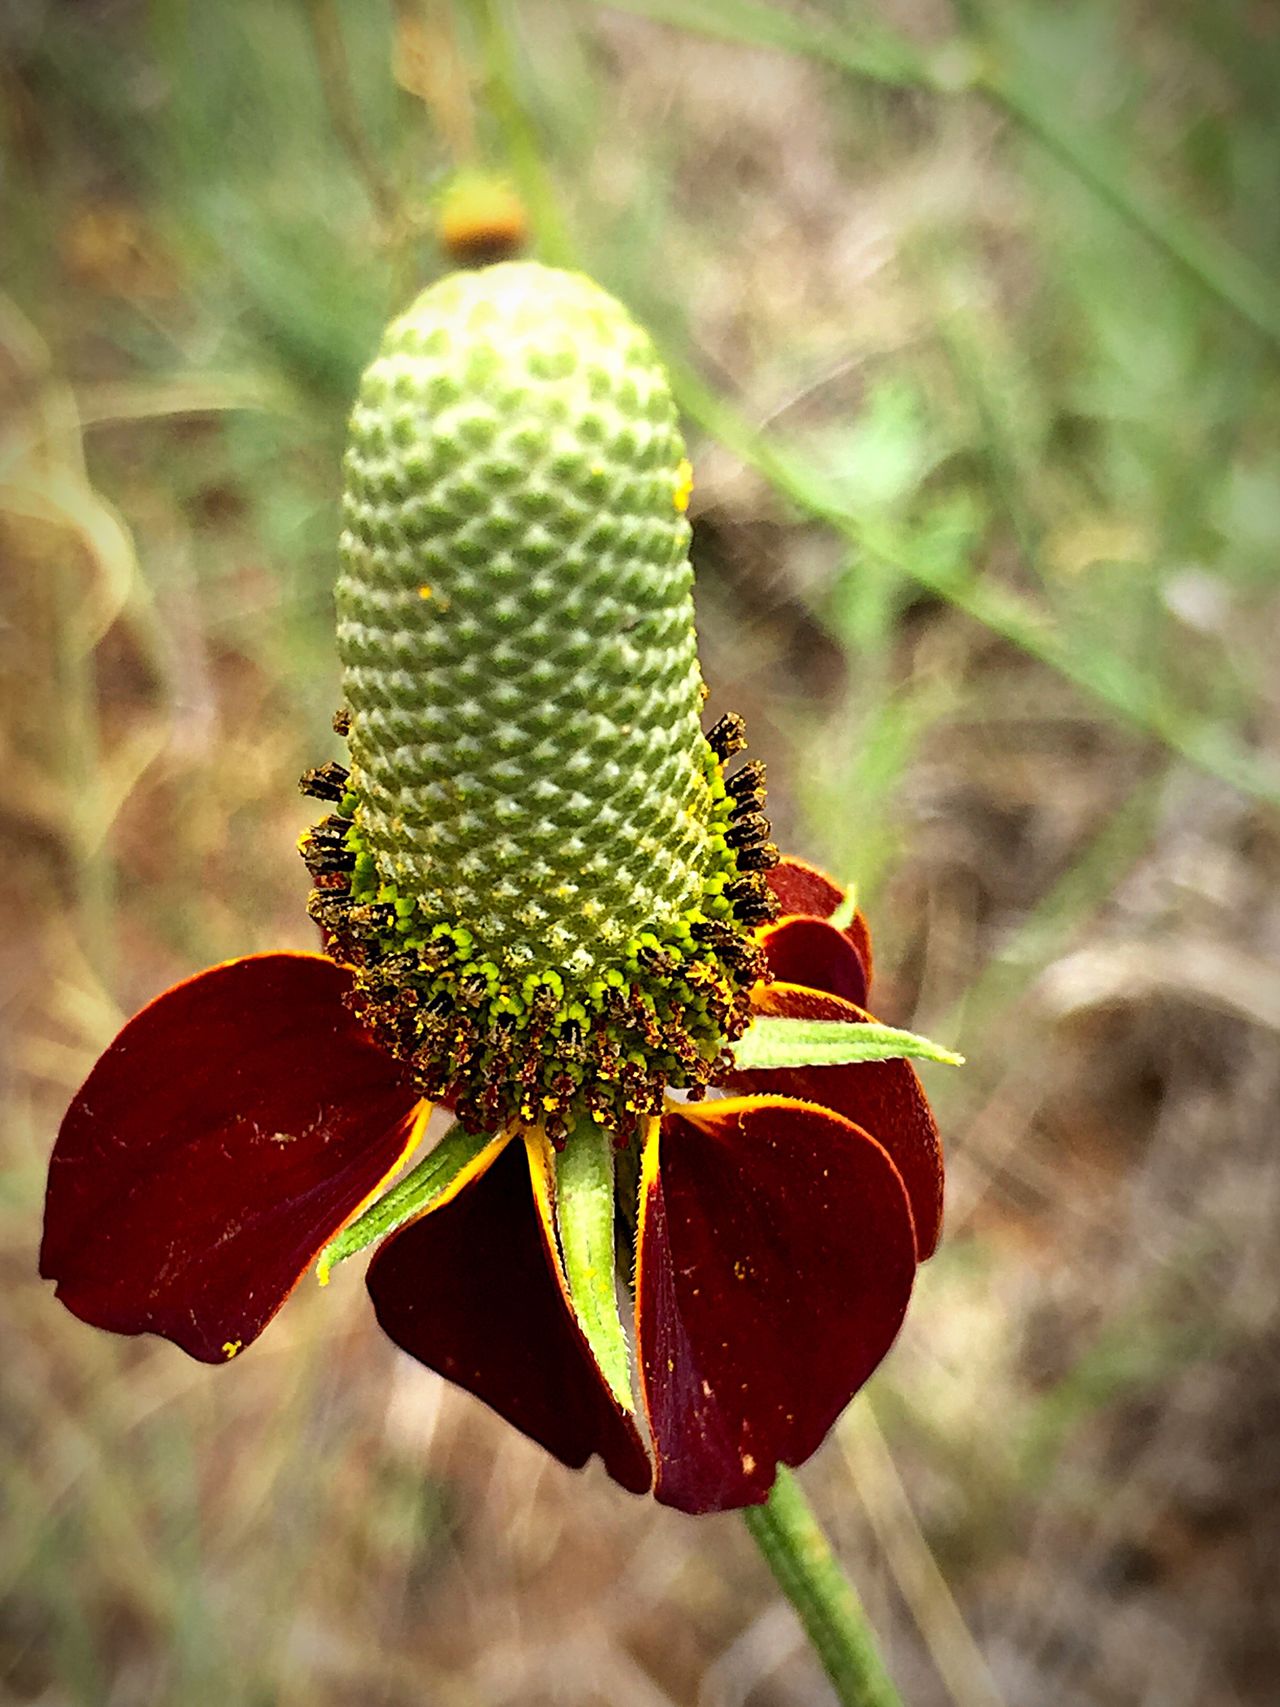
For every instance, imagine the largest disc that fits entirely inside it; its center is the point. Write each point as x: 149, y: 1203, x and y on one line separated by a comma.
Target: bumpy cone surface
x: 531, y: 800
x: 516, y: 621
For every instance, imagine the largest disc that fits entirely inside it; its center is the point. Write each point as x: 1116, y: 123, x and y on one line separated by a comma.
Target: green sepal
x: 584, y: 1207
x: 434, y: 1177
x: 770, y: 1042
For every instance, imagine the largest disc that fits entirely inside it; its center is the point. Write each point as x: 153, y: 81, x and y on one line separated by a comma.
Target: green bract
x: 535, y: 865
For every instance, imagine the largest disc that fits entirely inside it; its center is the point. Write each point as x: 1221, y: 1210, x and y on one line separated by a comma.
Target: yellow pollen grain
x: 684, y: 484
x: 230, y: 1348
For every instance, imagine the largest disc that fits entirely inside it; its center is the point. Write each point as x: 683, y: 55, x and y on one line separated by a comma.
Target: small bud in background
x: 480, y: 219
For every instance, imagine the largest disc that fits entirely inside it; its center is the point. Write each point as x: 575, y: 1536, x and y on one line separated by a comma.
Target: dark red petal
x: 803, y: 889
x: 219, y: 1143
x: 471, y: 1290
x: 812, y: 952
x: 885, y: 1098
x: 775, y: 1263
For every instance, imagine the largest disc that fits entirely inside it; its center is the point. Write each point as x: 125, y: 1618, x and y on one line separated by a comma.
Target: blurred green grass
x: 972, y: 321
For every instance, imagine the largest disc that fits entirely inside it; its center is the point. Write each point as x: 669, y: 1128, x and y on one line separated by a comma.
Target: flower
x: 547, y: 906
x: 239, y: 1121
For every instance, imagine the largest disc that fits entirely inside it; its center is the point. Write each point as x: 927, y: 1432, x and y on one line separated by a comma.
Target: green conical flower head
x: 536, y: 865
x: 515, y: 621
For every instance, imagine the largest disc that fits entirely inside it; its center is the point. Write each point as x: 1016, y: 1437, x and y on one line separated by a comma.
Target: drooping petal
x: 217, y: 1145
x: 473, y: 1289
x: 776, y: 1258
x: 802, y: 889
x: 810, y: 951
x: 885, y: 1098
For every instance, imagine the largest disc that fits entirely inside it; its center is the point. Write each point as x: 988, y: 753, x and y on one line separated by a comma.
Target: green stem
x: 520, y: 137
x: 1215, y: 265
x: 800, y: 1557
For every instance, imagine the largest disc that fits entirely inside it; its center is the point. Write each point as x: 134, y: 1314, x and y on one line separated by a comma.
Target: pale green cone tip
x: 537, y: 821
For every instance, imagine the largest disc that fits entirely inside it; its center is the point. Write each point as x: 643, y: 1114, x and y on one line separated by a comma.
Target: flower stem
x: 800, y: 1557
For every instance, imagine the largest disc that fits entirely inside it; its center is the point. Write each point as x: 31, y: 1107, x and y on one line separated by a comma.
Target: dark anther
x: 397, y: 969
x: 600, y: 1105
x: 605, y: 1055
x: 747, y: 781
x: 644, y: 1019
x: 715, y: 932
x: 330, y: 912
x: 433, y: 1080
x: 488, y: 1108
x: 464, y: 1038
x: 752, y: 802
x: 330, y: 832
x: 686, y: 1052
x: 373, y: 916
x: 727, y: 736
x: 751, y: 829
x: 763, y: 856
x: 324, y: 854
x: 527, y: 1070
x: 733, y: 947
x: 556, y: 1128
x: 752, y: 900
x: 757, y: 911
x: 747, y: 959
x: 342, y: 721
x: 328, y: 782
x: 436, y: 953
x: 433, y: 1030
x: 748, y: 887
x: 331, y: 881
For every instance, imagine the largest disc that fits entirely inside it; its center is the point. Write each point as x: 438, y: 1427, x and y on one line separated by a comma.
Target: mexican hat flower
x: 549, y: 906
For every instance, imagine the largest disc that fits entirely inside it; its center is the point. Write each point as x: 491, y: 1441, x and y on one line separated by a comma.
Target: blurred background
x: 974, y: 318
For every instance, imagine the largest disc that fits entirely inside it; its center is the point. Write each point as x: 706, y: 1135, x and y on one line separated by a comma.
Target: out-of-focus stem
x: 519, y: 137
x: 344, y: 112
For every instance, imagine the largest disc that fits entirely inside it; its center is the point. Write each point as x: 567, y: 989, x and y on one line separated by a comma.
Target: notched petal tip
x: 776, y: 1258
x: 219, y: 1142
